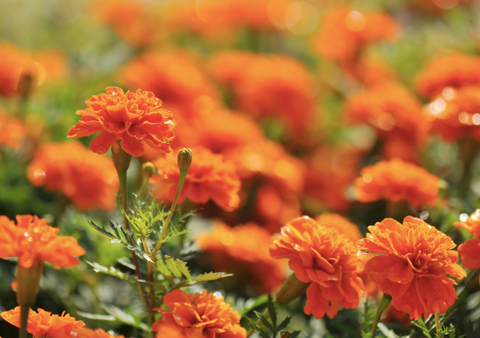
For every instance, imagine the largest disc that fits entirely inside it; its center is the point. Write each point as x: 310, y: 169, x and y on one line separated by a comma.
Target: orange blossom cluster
x: 469, y: 251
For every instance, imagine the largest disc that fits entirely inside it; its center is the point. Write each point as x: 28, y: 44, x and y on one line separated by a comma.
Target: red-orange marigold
x: 413, y: 267
x: 134, y: 118
x: 32, y: 239
x: 45, y: 325
x: 98, y: 333
x: 470, y: 250
x: 209, y: 177
x: 202, y: 315
x: 341, y: 224
x: 395, y: 181
x: 324, y: 257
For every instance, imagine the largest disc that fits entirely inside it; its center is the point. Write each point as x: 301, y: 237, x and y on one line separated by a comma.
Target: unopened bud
x: 27, y: 283
x: 148, y: 169
x: 121, y: 159
x: 291, y: 289
x: 185, y: 158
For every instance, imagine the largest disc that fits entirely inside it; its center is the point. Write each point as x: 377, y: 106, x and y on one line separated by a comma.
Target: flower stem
x: 24, y: 321
x: 386, y: 299
x: 437, y: 325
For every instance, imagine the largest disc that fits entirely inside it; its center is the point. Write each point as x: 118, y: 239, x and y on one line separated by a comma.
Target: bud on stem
x: 121, y: 159
x: 291, y: 289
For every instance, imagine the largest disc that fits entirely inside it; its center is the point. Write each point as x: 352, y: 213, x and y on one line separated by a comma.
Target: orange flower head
x: 241, y: 250
x: 44, y: 324
x: 455, y: 113
x: 454, y: 70
x: 325, y: 258
x: 341, y: 224
x: 413, y: 267
x: 31, y: 239
x: 345, y: 32
x: 470, y: 250
x: 98, y: 333
x: 175, y: 78
x: 395, y: 181
x: 88, y: 180
x: 135, y: 119
x: 201, y: 315
x: 209, y: 177
x: 269, y: 86
x: 371, y: 71
x: 13, y: 131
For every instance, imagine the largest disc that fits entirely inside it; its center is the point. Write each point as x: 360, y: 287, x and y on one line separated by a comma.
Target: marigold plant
x: 200, y: 315
x: 133, y: 118
x: 395, y: 181
x: 325, y: 258
x: 415, y: 259
x: 470, y: 250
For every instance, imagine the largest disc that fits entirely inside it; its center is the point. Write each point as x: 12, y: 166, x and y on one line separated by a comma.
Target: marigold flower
x: 454, y: 70
x: 88, y: 180
x: 135, y: 119
x: 43, y: 324
x: 98, y: 333
x: 32, y: 239
x: 12, y: 131
x: 413, y: 267
x: 341, y: 224
x: 370, y: 71
x: 455, y: 113
x: 200, y: 315
x: 325, y: 258
x: 181, y: 85
x: 470, y: 250
x: 345, y: 32
x: 396, y: 180
x: 270, y: 86
x: 209, y: 177
x: 241, y: 250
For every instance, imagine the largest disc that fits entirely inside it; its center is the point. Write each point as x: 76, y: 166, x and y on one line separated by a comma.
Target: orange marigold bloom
x: 345, y: 32
x: 413, y: 267
x: 181, y: 86
x: 241, y: 250
x: 209, y: 177
x: 470, y: 250
x: 324, y: 257
x: 45, y: 325
x: 393, y: 111
x: 343, y: 225
x: 454, y: 70
x: 455, y: 113
x: 201, y: 315
x: 12, y: 131
x: 31, y: 239
x: 396, y: 180
x: 135, y: 119
x: 269, y: 86
x: 88, y: 180
x: 98, y: 333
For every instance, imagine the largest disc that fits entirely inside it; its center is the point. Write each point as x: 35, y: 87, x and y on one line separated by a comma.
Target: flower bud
x: 148, y: 169
x: 291, y: 289
x: 121, y: 159
x: 184, y: 158
x: 27, y: 283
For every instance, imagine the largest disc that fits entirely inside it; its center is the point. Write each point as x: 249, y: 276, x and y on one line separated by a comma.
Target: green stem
x: 437, y: 325
x: 467, y: 153
x: 24, y: 321
x: 386, y: 299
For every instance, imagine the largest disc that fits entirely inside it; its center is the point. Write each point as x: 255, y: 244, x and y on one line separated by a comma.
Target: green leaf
x: 126, y: 318
x: 264, y: 321
x: 256, y: 303
x: 386, y: 331
x: 283, y: 324
x: 271, y: 310
x: 173, y: 266
x: 163, y: 268
x: 101, y: 230
x: 109, y: 271
x: 209, y: 276
x: 94, y: 316
x: 257, y: 329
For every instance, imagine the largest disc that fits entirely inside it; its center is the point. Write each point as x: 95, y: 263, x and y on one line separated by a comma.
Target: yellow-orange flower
x: 209, y: 177
x: 12, y: 131
x: 470, y: 250
x: 345, y: 32
x: 341, y: 224
x: 241, y: 250
x: 456, y: 113
x: 325, y: 258
x: 45, y: 325
x: 413, y: 267
x: 454, y: 70
x: 134, y: 118
x: 88, y: 180
x: 31, y: 239
x: 201, y: 315
x: 395, y: 181
x: 98, y: 333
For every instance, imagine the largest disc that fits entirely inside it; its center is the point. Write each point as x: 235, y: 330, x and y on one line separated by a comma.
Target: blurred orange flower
x: 341, y: 224
x: 175, y: 78
x: 88, y: 180
x: 396, y: 180
x: 324, y: 257
x: 241, y: 250
x: 413, y: 267
x: 269, y: 86
x: 393, y: 111
x: 43, y: 324
x: 13, y: 131
x: 135, y: 119
x: 370, y: 71
x: 454, y: 70
x: 209, y: 177
x: 201, y: 315
x: 98, y: 333
x: 345, y: 32
x: 31, y: 240
x: 470, y: 250
x: 456, y: 113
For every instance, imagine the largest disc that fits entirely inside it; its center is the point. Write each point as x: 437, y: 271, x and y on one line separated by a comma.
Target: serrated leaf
x: 386, y: 331
x: 126, y: 318
x: 183, y: 267
x: 107, y: 271
x: 257, y: 329
x: 284, y: 324
x: 101, y: 230
x: 108, y: 318
x: 171, y: 263
x: 209, y: 276
x: 163, y: 269
x: 264, y: 321
x: 271, y: 310
x: 127, y: 263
